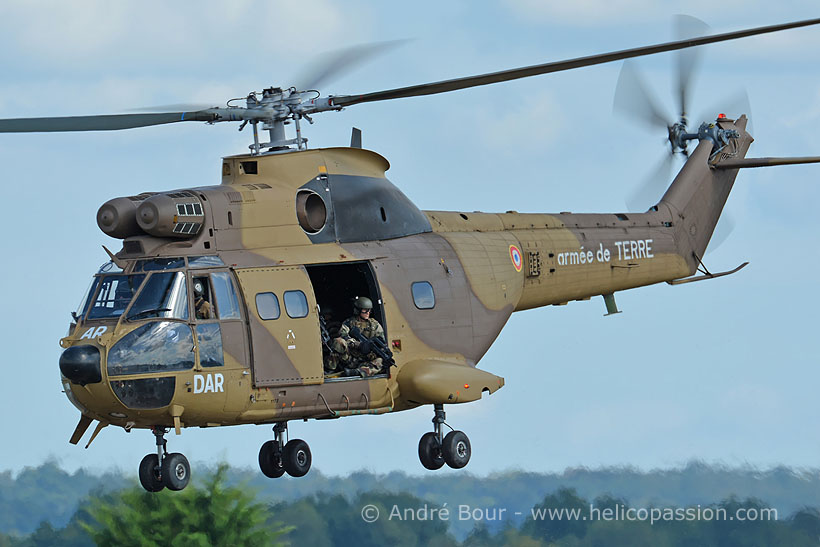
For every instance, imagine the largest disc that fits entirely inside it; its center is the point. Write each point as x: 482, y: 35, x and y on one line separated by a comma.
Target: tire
x: 176, y: 472
x: 430, y: 452
x: 296, y: 458
x: 269, y: 461
x: 456, y: 449
x: 150, y: 478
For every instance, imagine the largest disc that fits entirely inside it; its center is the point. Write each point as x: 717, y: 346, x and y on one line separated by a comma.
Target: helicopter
x: 308, y: 231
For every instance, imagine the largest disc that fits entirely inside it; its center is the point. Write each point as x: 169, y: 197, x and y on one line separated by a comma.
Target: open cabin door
x: 286, y: 346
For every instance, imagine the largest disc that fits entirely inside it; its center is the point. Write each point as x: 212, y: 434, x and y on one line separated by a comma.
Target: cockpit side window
x: 114, y: 294
x: 203, y: 299
x: 89, y: 294
x: 165, y: 295
x: 227, y: 302
x: 209, y: 338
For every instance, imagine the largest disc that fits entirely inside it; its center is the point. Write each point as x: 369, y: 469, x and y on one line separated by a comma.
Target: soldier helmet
x: 362, y: 303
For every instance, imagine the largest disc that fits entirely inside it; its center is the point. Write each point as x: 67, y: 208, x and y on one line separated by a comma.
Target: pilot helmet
x: 199, y: 288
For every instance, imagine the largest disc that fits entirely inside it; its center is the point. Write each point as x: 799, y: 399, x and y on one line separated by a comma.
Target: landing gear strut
x: 436, y: 449
x: 162, y: 469
x: 277, y: 457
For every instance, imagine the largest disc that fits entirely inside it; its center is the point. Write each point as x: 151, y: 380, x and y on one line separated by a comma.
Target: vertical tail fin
x: 697, y: 195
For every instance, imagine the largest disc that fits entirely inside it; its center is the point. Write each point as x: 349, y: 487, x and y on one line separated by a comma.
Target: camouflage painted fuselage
x: 481, y: 266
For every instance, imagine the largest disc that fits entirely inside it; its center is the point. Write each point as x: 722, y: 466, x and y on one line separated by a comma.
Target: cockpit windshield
x: 114, y: 294
x: 165, y: 295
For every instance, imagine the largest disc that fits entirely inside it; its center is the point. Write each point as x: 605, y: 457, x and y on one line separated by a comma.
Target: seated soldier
x: 354, y: 355
x: 334, y: 351
x: 338, y: 358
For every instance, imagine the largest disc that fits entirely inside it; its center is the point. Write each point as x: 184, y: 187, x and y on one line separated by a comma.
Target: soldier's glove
x: 366, y: 347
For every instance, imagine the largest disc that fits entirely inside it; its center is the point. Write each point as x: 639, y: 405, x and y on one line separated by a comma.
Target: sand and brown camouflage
x: 262, y: 222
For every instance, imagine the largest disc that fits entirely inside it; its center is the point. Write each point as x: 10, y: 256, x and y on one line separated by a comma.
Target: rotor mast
x: 284, y: 106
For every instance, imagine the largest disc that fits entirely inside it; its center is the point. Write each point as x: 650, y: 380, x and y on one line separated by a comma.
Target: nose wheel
x: 164, y: 470
x: 436, y: 449
x: 277, y: 457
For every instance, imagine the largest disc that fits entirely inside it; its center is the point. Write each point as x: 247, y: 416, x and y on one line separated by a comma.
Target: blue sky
x: 724, y: 371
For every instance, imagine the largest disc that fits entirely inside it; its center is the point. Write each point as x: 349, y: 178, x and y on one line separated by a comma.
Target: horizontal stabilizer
x: 741, y: 163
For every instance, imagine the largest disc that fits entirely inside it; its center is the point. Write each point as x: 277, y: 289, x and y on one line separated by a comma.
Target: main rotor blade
x: 330, y: 65
x: 687, y: 26
x: 558, y: 66
x: 633, y: 98
x: 109, y: 122
x: 177, y: 107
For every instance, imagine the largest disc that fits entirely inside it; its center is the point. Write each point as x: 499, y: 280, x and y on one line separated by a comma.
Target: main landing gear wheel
x: 456, y: 449
x: 296, y: 458
x: 150, y: 476
x: 430, y: 451
x: 435, y: 450
x: 276, y: 458
x: 161, y: 470
x: 270, y: 460
x: 176, y: 472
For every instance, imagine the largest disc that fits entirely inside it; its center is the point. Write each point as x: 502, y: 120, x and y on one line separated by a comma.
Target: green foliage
x: 325, y: 520
x: 47, y: 493
x: 213, y: 514
x: 222, y: 511
x: 730, y: 523
x: 508, y: 536
x: 560, y: 504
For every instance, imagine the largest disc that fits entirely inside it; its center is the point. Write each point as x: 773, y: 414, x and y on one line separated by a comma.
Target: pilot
x: 201, y: 304
x: 357, y: 356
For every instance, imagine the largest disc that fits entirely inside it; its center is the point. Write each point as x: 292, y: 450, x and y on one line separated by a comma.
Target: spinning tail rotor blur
x: 634, y: 99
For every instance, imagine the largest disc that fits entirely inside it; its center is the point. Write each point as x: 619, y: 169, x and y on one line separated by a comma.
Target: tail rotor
x: 634, y: 99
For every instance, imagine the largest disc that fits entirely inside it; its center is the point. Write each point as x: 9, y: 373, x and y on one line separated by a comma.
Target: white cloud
x: 95, y: 32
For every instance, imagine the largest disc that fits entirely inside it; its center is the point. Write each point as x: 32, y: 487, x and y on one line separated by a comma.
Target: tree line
x: 215, y: 511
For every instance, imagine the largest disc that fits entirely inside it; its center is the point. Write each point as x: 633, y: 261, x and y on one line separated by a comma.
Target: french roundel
x: 515, y: 256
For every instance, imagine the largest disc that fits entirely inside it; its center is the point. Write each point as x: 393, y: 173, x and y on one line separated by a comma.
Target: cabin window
x: 154, y: 347
x: 267, y: 306
x: 296, y: 304
x: 226, y: 300
x: 423, y: 296
x: 209, y: 337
